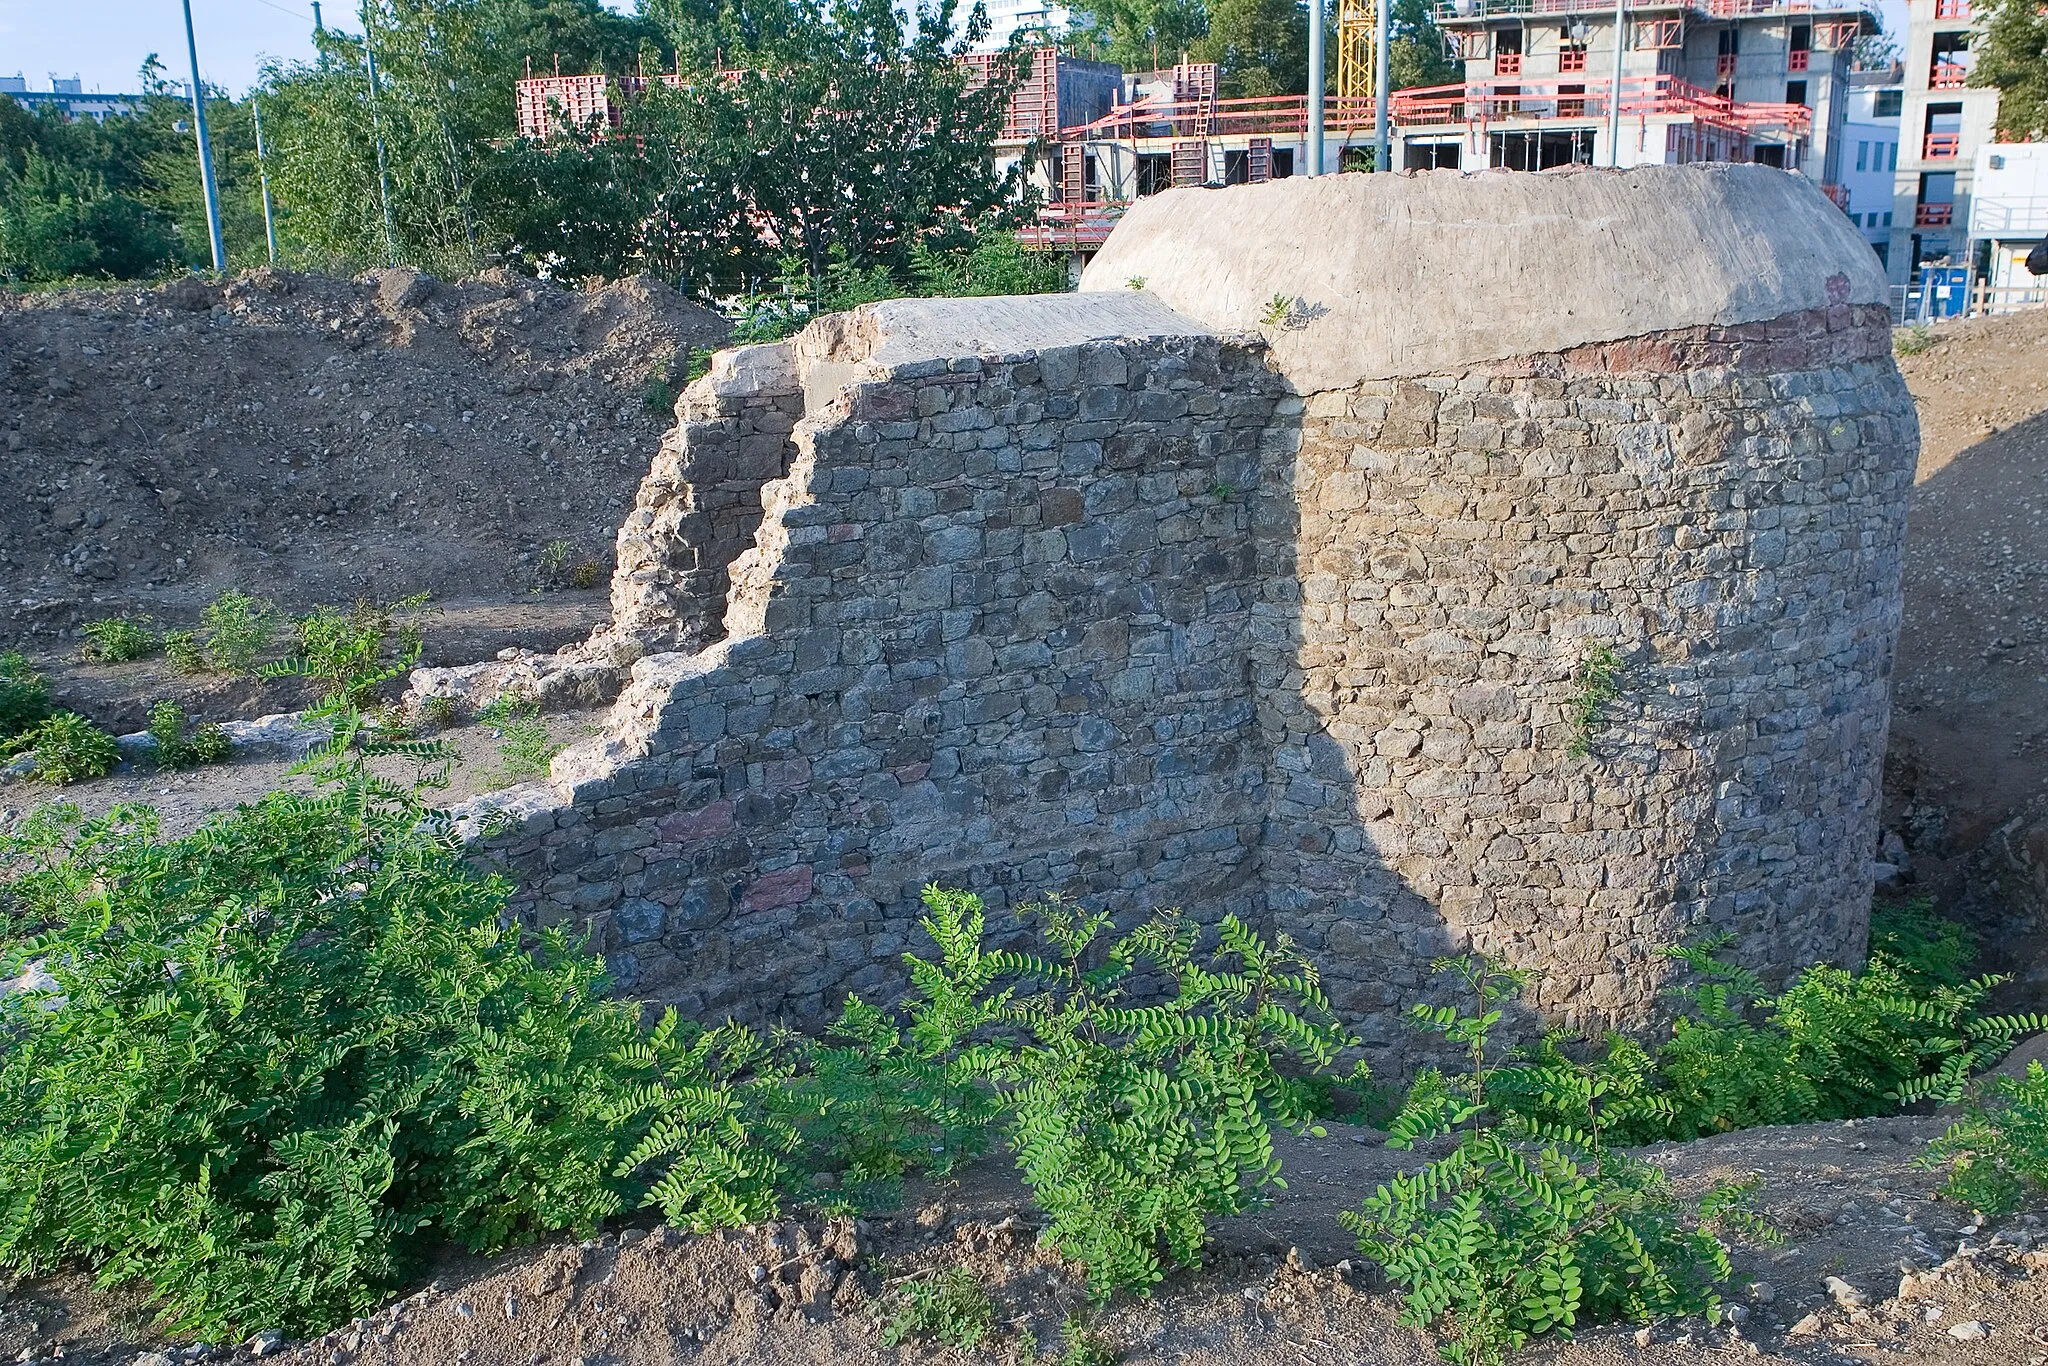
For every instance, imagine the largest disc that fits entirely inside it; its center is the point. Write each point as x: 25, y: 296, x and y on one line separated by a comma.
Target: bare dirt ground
x: 1969, y: 742
x: 1281, y: 1286
x: 312, y: 440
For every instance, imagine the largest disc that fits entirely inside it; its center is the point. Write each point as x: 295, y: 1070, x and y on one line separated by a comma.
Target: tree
x: 2011, y: 50
x: 1260, y: 47
x: 445, y: 72
x: 1416, y: 53
x: 1138, y: 35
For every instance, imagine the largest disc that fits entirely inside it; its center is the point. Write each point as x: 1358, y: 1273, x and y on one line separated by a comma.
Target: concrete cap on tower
x: 1389, y: 275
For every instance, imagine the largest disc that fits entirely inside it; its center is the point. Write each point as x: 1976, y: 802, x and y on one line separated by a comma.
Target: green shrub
x: 1532, y: 1227
x: 238, y: 630
x: 24, y: 701
x: 523, y: 741
x: 181, y: 649
x: 1912, y: 340
x: 1997, y: 1154
x: 439, y: 711
x: 1833, y: 1045
x: 351, y: 654
x: 1134, y: 1125
x: 175, y: 748
x: 70, y: 748
x: 948, y: 1307
x: 562, y: 565
x: 289, y: 1055
x: 116, y: 640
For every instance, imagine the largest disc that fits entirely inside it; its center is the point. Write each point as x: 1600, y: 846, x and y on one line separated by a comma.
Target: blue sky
x: 103, y: 42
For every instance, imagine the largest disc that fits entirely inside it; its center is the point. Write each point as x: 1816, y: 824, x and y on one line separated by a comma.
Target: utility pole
x: 220, y: 253
x: 1614, y: 95
x: 1315, y: 87
x: 263, y: 176
x: 1382, y: 144
x: 377, y: 133
x: 318, y: 27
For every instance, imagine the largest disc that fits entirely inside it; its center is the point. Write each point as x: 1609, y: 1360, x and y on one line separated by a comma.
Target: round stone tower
x: 1580, y: 611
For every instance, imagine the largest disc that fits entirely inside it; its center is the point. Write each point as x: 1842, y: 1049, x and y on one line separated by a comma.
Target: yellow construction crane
x: 1356, y: 61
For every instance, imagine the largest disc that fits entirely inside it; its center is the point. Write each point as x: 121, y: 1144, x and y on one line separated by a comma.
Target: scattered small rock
x: 1969, y: 1330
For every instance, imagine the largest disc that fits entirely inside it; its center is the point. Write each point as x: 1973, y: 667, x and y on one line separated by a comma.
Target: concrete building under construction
x: 1700, y: 80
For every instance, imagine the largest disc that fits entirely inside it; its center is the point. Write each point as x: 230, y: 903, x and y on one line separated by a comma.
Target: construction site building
x: 1701, y: 80
x: 1870, y: 154
x: 1942, y: 122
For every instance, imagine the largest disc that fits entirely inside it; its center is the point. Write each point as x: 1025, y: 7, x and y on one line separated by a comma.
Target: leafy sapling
x: 116, y: 640
x: 1997, y: 1154
x: 1530, y: 1227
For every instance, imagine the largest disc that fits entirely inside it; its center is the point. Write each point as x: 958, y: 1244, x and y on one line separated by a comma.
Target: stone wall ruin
x: 1120, y: 595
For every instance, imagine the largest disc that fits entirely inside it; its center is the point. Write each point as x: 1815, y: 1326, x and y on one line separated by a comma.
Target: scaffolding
x: 1357, y: 62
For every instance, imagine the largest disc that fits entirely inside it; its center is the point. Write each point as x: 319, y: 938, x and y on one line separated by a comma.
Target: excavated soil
x: 1969, y: 740
x: 314, y: 440
x: 1280, y: 1287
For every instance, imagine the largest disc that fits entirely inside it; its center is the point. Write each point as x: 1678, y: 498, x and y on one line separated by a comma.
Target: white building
x: 1006, y: 17
x: 68, y: 96
x: 2008, y: 219
x: 1942, y: 123
x: 1870, y: 154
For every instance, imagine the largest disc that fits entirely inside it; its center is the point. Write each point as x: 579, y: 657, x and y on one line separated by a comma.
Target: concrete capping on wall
x: 1432, y: 271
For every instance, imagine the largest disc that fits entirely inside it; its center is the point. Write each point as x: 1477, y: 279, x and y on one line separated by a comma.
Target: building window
x: 1155, y: 173
x: 1893, y: 158
x: 1795, y: 92
x: 1888, y: 104
x: 1887, y: 220
x: 1863, y: 156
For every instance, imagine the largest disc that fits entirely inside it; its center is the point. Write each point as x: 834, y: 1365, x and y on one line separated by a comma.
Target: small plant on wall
x: 1598, y: 684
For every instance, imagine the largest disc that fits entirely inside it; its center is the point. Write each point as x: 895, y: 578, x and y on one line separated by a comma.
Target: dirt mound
x: 310, y: 439
x: 1970, y: 701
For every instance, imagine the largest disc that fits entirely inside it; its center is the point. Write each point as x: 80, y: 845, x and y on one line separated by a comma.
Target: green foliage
x: 1080, y: 1347
x: 238, y: 630
x: 439, y: 711
x: 2009, y: 53
x: 876, y: 1101
x: 70, y: 748
x: 24, y: 700
x: 948, y: 1307
x: 288, y: 1055
x: 1912, y: 340
x: 1833, y: 1045
x: 716, y: 1152
x: 1134, y: 1125
x: 1997, y: 1154
x: 116, y: 640
x: 1532, y: 1226
x: 524, y: 744
x: 1598, y: 683
x: 352, y: 654
x: 561, y: 565
x: 175, y: 748
x: 181, y: 649
x: 1277, y: 311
